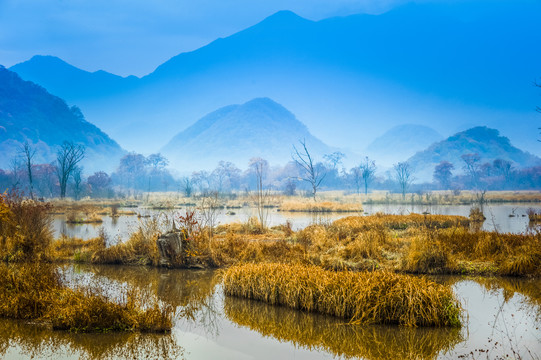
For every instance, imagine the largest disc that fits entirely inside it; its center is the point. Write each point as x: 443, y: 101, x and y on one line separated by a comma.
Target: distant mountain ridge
x: 431, y: 64
x: 236, y: 133
x: 29, y: 113
x: 481, y: 140
x: 401, y: 142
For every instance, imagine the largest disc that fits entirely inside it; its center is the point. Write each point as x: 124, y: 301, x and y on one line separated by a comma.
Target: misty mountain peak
x: 260, y: 127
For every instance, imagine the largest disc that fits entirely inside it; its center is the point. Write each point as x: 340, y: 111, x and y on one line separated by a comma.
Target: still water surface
x: 504, y: 218
x: 502, y: 317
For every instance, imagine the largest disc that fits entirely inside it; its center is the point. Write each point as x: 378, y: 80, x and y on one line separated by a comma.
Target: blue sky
x: 134, y: 36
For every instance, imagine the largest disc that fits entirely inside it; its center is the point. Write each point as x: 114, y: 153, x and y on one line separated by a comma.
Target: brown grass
x: 25, y: 228
x: 35, y: 291
x: 325, y: 206
x: 361, y: 298
x: 456, y: 248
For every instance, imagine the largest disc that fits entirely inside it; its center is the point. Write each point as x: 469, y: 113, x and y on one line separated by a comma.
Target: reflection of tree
x: 38, y: 342
x: 313, y: 331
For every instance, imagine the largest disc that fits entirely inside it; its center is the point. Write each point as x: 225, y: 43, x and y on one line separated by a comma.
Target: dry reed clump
x: 234, y: 248
x: 427, y: 255
x: 35, y: 291
x: 361, y: 298
x: 476, y: 215
x: 140, y: 249
x: 352, y: 225
x: 76, y: 217
x: 507, y: 254
x: 326, y: 206
x: 87, y: 310
x: 25, y: 232
x: 341, y: 340
x: 534, y: 215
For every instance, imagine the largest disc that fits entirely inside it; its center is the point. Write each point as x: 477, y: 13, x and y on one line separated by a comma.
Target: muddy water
x: 504, y: 218
x: 501, y: 317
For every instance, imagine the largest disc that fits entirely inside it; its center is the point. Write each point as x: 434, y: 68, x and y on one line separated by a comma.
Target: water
x: 505, y: 218
x: 502, y: 316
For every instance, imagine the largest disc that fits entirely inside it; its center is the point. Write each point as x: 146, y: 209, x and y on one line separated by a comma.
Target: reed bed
x: 341, y: 340
x: 325, y: 206
x: 25, y: 228
x: 360, y: 298
x: 452, y: 249
x: 35, y: 291
x: 354, y: 224
x: 78, y: 218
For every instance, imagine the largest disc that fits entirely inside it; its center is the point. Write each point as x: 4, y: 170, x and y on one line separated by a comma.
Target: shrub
x: 25, y: 228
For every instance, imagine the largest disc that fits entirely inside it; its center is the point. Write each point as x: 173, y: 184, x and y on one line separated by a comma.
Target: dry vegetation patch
x: 361, y: 298
x: 35, y: 291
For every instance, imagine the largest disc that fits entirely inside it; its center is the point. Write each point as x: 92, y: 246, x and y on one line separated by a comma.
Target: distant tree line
x: 304, y: 175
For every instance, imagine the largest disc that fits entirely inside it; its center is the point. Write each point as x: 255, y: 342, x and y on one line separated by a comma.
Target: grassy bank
x: 35, y: 292
x: 31, y: 288
x: 415, y: 243
x: 360, y: 298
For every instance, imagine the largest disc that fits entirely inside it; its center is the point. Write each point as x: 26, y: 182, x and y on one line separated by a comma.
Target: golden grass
x: 325, y: 206
x: 78, y: 218
x: 25, y: 228
x: 507, y: 254
x: 360, y: 298
x: 35, y: 291
x: 341, y: 340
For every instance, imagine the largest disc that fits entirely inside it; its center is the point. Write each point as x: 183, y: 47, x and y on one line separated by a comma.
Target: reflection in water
x: 315, y: 332
x: 18, y: 339
x: 211, y: 324
x: 188, y: 289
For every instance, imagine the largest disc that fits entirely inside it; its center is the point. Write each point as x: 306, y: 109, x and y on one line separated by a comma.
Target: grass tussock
x: 361, y: 298
x: 354, y: 224
x: 324, y: 206
x: 455, y: 249
x: 534, y: 215
x: 35, y: 291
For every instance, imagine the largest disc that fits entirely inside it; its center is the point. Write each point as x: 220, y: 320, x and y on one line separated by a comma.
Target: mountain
x: 446, y: 65
x: 71, y: 83
x: 29, y: 113
x: 401, y: 142
x: 236, y: 133
x: 480, y: 140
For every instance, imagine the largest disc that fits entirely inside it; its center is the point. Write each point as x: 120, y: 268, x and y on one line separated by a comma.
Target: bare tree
x: 67, y: 158
x: 472, y: 166
x: 259, y: 166
x: 187, y: 186
x: 27, y: 153
x: 368, y: 171
x: 77, y: 181
x: 334, y: 159
x: 313, y: 174
x: 15, y: 168
x: 404, y: 176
